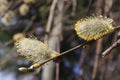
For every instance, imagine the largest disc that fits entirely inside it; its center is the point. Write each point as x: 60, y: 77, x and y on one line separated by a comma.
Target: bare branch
x: 8, y: 7
x: 50, y: 19
x: 74, y: 4
x: 117, y: 28
x: 116, y: 44
x: 98, y: 51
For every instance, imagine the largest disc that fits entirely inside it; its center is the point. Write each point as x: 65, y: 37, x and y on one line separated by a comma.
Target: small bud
x: 34, y: 66
x: 23, y: 69
x: 53, y: 55
x: 24, y: 8
x: 18, y: 36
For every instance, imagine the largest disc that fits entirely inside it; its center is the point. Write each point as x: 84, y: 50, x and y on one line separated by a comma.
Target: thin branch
x: 8, y: 57
x: 74, y: 48
x: 83, y: 55
x: 29, y: 24
x: 109, y: 59
x: 89, y: 7
x: 52, y: 40
x: 117, y: 28
x: 8, y: 7
x: 98, y: 51
x: 116, y: 44
x: 50, y: 19
x: 74, y: 4
x: 17, y: 3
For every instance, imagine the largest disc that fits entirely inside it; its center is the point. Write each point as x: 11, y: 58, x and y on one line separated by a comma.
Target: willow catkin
x: 93, y: 28
x: 34, y: 50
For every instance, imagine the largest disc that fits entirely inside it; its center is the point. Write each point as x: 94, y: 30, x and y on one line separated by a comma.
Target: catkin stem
x: 63, y: 53
x: 117, y: 28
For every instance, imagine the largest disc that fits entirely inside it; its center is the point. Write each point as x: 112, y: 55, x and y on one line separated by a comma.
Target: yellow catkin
x: 34, y: 50
x: 93, y: 28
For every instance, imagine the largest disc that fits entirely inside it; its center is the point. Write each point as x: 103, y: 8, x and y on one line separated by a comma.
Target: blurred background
x: 53, y: 21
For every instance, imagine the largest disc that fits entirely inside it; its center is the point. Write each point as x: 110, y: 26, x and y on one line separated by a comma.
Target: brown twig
x: 109, y: 59
x: 74, y: 4
x: 83, y: 55
x: 8, y: 7
x: 117, y: 28
x: 60, y: 54
x: 8, y: 57
x: 17, y: 3
x: 89, y: 7
x: 29, y: 24
x: 50, y: 19
x: 98, y: 51
x: 114, y: 45
x: 51, y: 41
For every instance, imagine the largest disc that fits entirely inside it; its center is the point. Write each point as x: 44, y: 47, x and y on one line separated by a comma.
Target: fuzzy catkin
x: 34, y: 50
x: 93, y: 28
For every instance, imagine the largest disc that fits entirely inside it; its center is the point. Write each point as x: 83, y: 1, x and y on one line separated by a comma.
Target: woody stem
x: 117, y: 28
x: 63, y: 53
